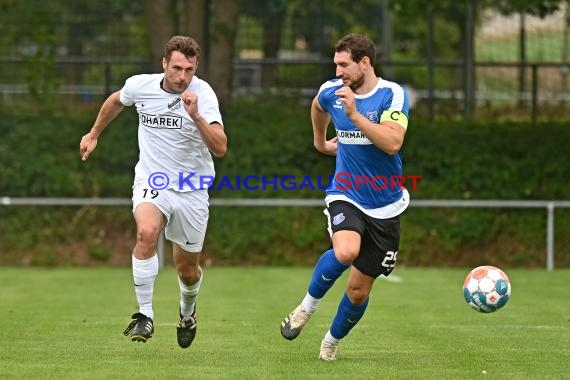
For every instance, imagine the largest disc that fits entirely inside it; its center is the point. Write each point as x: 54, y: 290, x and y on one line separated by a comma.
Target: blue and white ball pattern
x: 487, y: 289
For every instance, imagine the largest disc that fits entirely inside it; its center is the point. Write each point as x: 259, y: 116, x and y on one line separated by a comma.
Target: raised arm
x: 389, y: 137
x: 212, y: 134
x: 109, y: 110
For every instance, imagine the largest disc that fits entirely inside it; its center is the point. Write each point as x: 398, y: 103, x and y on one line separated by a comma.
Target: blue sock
x: 326, y: 271
x: 346, y: 317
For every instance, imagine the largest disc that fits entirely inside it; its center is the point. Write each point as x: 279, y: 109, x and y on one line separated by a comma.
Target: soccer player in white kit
x: 179, y: 125
x: 365, y: 199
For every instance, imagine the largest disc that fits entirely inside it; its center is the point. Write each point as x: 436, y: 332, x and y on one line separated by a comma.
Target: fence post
x: 468, y: 62
x: 534, y: 107
x: 522, y: 58
x: 430, y: 63
x: 550, y: 236
x: 107, y: 69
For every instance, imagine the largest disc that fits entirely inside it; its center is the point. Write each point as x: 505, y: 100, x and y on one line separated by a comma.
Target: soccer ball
x: 487, y: 289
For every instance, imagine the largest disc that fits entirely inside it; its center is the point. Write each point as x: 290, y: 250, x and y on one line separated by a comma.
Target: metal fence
x: 542, y: 94
x: 465, y: 59
x: 548, y: 205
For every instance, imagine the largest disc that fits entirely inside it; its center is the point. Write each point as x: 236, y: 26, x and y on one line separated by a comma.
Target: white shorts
x: 186, y: 213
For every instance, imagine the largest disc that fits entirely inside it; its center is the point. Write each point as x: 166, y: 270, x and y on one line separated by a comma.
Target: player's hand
x: 87, y: 145
x: 330, y: 147
x: 190, y: 101
x: 346, y: 96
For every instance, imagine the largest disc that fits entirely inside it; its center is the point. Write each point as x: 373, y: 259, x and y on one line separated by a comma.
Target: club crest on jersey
x: 372, y: 116
x: 338, y: 219
x: 175, y: 104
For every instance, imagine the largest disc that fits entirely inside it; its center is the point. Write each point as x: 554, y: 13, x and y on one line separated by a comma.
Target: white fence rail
x: 549, y: 206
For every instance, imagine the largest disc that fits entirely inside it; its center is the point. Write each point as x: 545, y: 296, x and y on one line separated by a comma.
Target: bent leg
x: 330, y: 266
x: 189, y: 278
x: 352, y: 305
x: 149, y: 221
x: 350, y: 310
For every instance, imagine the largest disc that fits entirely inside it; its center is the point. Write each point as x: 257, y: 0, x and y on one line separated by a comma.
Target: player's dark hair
x: 359, y: 46
x: 186, y: 45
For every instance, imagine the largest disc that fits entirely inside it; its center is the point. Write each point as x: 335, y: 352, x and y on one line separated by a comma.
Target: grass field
x: 68, y: 323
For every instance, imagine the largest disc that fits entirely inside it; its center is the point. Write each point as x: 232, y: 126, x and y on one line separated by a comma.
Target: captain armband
x: 395, y: 116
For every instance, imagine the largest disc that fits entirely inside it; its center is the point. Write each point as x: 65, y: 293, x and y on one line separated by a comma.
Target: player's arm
x: 320, y: 120
x: 388, y: 135
x: 212, y: 134
x: 109, y: 110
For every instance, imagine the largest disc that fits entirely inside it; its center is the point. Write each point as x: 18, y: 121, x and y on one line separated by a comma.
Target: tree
x: 213, y: 23
x: 224, y: 24
x: 540, y: 8
x: 197, y: 24
x: 271, y: 15
x: 160, y: 27
x: 45, y: 32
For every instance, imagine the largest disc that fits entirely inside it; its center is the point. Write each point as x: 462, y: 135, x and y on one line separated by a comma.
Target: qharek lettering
x: 163, y: 121
x: 352, y: 137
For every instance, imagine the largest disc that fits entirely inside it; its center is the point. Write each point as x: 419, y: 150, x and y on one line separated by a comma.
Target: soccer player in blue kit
x: 365, y: 199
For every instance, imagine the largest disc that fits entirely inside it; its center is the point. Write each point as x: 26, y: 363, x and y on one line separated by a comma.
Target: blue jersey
x: 364, y: 173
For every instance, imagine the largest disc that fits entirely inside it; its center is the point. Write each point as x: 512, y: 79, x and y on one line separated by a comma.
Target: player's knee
x: 346, y: 254
x: 147, y: 236
x: 190, y: 274
x: 357, y: 295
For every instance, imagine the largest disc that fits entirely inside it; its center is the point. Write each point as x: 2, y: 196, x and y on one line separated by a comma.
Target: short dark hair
x: 358, y: 46
x: 186, y: 45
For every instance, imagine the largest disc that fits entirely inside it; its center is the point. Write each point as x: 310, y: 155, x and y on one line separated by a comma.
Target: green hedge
x: 39, y: 152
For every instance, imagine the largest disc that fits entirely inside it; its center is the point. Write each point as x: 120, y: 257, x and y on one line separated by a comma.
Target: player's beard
x: 180, y: 87
x: 176, y: 87
x: 357, y: 83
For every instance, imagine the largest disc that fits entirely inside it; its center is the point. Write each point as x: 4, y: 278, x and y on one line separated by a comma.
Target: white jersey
x: 169, y: 141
